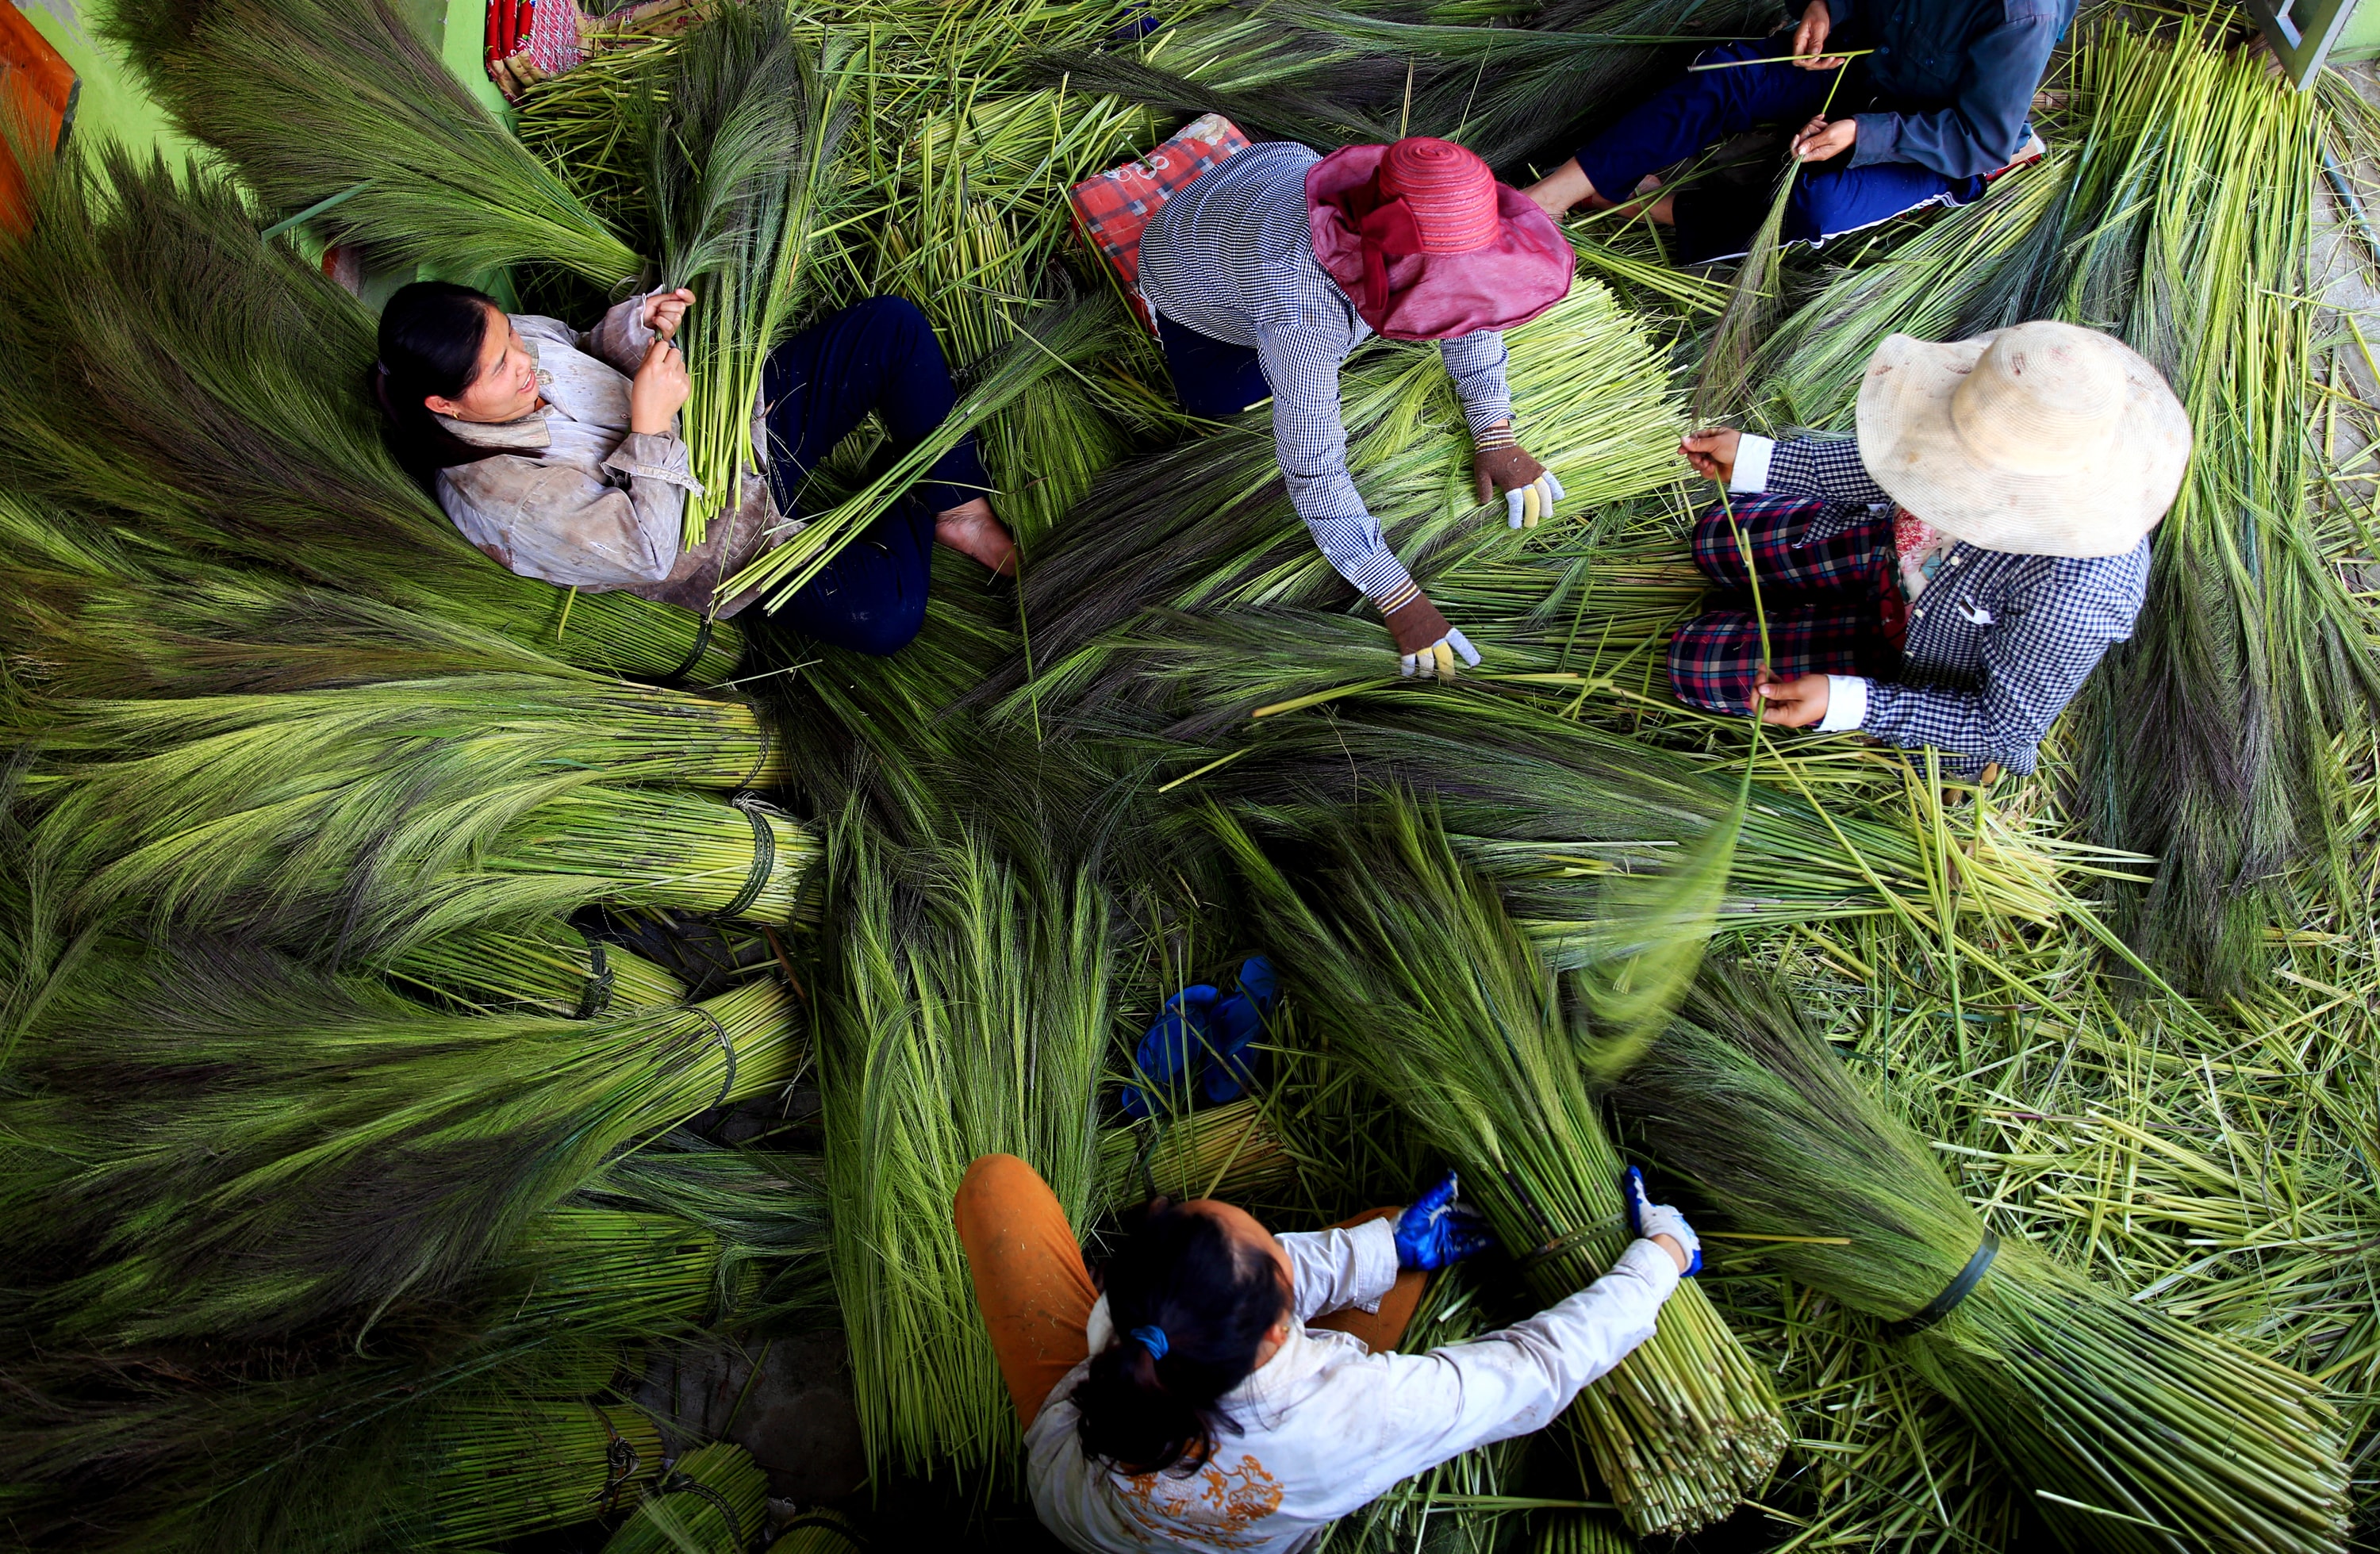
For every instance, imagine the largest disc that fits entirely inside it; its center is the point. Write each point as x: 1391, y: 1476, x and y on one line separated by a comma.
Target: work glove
x: 1173, y: 1045
x: 1438, y: 1230
x: 1238, y: 1020
x: 1498, y: 463
x: 1648, y: 1219
x: 1426, y: 646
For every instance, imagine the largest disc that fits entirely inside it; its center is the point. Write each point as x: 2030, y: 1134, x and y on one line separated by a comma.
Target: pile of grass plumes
x: 188, y: 390
x: 963, y: 1012
x: 714, y: 1497
x: 1555, y: 810
x: 283, y: 1150
x: 735, y: 130
x: 1207, y: 528
x: 1409, y: 965
x: 425, y: 810
x: 216, y: 1444
x: 2132, y: 1431
x: 95, y: 615
x: 428, y: 176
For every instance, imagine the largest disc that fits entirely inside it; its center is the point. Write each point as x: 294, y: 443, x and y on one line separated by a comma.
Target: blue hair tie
x: 1151, y: 1338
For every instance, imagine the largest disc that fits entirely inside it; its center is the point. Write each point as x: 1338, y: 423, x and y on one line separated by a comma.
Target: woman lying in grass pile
x: 1951, y: 578
x: 558, y: 452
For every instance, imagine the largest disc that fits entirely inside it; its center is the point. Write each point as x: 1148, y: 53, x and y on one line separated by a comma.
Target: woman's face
x: 503, y: 386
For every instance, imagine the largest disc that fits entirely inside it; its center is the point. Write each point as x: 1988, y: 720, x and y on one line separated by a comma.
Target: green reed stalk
x: 545, y: 967
x: 501, y: 1470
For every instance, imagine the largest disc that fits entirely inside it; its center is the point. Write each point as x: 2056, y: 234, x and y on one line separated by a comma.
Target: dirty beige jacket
x: 577, y: 499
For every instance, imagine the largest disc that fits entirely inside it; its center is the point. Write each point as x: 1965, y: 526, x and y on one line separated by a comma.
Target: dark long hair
x: 431, y: 335
x: 1215, y: 1298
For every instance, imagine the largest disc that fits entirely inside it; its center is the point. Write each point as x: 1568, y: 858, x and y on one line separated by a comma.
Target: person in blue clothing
x: 1936, y: 108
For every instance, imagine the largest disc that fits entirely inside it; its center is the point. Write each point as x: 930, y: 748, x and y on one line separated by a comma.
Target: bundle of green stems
x: 965, y: 1015
x: 543, y: 966
x: 2132, y: 1431
x: 714, y: 1497
x: 505, y: 1469
x: 1411, y: 968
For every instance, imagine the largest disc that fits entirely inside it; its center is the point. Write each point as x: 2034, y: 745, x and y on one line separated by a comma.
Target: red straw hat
x: 1427, y: 245
x: 1449, y: 190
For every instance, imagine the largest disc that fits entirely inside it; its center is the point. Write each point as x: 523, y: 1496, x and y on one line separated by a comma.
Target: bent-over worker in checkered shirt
x: 1951, y: 577
x: 1267, y: 271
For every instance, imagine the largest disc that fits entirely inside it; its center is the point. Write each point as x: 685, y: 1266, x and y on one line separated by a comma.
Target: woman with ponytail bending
x: 1234, y: 1390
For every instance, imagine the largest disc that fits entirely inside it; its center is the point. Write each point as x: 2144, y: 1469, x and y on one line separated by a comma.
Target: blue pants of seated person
x: 1702, y: 108
x: 876, y: 356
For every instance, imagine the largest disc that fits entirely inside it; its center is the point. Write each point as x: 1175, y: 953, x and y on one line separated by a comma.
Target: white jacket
x: 1327, y: 1427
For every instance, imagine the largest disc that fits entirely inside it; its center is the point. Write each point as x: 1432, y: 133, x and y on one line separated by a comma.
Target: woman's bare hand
x: 1712, y: 453
x: 659, y: 386
x: 664, y: 310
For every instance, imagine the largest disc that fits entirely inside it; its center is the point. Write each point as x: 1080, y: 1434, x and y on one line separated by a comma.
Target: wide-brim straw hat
x: 2042, y: 439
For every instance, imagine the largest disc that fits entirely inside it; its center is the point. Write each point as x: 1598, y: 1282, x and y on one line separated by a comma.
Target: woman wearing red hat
x: 1266, y: 272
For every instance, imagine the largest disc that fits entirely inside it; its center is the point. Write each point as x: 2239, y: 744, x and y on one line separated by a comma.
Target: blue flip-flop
x: 1238, y: 1021
x: 1172, y: 1047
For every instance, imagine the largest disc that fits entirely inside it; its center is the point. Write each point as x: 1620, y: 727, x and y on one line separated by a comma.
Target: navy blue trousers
x: 1702, y: 108
x: 880, y: 355
x: 1212, y: 378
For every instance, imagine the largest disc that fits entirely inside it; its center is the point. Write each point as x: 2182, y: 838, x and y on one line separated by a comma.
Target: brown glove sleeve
x: 1502, y: 469
x: 1416, y: 625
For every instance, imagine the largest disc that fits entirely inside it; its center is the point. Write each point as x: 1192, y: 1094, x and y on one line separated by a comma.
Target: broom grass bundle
x: 966, y: 1015
x: 505, y: 1469
x: 2132, y: 1431
x: 736, y: 130
x: 1209, y: 526
x: 503, y: 725
x: 185, y: 387
x: 765, y: 1212
x: 544, y: 967
x: 1414, y: 973
x: 714, y: 1500
x: 1553, y: 809
x: 395, y: 856
x: 287, y: 1148
x: 1232, y: 1152
x: 419, y: 171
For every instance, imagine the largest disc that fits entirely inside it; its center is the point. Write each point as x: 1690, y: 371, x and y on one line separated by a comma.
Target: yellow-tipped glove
x: 1498, y: 463
x: 1426, y: 646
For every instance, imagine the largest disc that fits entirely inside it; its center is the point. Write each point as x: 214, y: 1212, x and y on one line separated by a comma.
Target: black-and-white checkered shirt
x: 1232, y: 256
x: 1998, y: 643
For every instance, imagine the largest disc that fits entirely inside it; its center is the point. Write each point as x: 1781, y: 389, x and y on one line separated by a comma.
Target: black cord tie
x: 768, y: 748
x: 1958, y: 1289
x: 764, y: 854
x: 686, y: 1484
x: 595, y: 996
x: 620, y: 1461
x: 676, y: 678
x: 719, y: 1034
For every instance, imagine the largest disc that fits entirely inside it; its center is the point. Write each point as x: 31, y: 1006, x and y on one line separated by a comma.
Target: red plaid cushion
x: 1112, y: 210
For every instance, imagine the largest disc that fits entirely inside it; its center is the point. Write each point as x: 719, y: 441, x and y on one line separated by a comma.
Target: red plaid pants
x: 1834, y: 606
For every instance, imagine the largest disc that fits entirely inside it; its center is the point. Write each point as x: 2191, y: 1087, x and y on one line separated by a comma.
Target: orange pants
x: 1037, y: 1296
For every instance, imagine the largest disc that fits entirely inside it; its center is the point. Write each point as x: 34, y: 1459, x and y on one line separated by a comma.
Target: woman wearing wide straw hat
x: 1267, y: 271
x: 1951, y: 578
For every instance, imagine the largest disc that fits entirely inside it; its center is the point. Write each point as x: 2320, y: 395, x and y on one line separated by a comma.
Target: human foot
x: 972, y: 531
